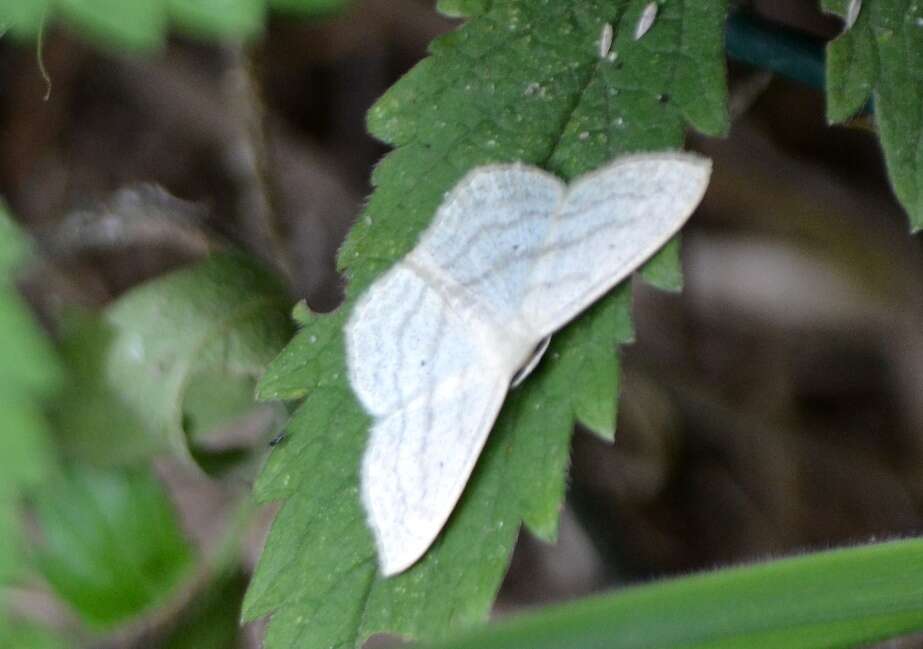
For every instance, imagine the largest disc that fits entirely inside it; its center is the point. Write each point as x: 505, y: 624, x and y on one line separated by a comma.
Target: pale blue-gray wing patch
x: 419, y: 458
x: 401, y: 341
x: 511, y: 256
x: 484, y: 235
x: 610, y: 222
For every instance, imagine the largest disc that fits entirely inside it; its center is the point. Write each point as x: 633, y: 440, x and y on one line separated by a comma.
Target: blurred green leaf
x: 463, y: 8
x: 25, y: 459
x: 133, y: 24
x: 26, y: 636
x: 842, y: 598
x: 12, y: 246
x: 214, y: 325
x: 310, y: 7
x: 142, y: 24
x: 881, y: 56
x: 219, y: 18
x: 664, y: 270
x: 29, y: 366
x: 29, y: 374
x: 93, y: 423
x: 23, y: 18
x: 214, y: 399
x: 523, y: 81
x: 212, y: 619
x: 111, y: 547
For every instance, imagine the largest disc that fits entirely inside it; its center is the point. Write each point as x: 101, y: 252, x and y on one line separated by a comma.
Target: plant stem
x: 259, y: 204
x: 771, y: 46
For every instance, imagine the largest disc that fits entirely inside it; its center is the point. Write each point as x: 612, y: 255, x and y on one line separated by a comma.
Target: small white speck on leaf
x: 136, y: 349
x: 605, y: 40
x: 585, y: 135
x: 646, y: 20
x: 852, y: 13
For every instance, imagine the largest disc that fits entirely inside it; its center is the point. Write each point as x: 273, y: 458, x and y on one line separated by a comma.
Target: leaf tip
x: 302, y: 314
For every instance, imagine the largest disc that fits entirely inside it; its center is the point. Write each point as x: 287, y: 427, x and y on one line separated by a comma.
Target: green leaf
x: 664, y: 270
x: 882, y: 55
x: 142, y: 24
x: 219, y: 18
x: 214, y: 399
x: 595, y: 405
x: 12, y: 247
x: 842, y: 598
x: 523, y: 81
x: 463, y: 8
x: 112, y: 548
x: 29, y: 365
x: 93, y: 424
x: 314, y: 354
x: 211, y: 621
x: 310, y: 7
x: 17, y: 634
x: 223, y: 319
x: 139, y: 24
x: 23, y: 18
x: 29, y: 374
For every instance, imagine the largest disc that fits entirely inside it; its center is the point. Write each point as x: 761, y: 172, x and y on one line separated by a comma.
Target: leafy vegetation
x: 29, y: 374
x: 163, y: 366
x: 209, y: 330
x: 881, y: 57
x: 821, y: 600
x: 142, y: 24
x: 518, y: 82
x: 111, y: 546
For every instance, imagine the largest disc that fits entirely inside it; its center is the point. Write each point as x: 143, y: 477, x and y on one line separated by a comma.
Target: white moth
x: 646, y: 20
x: 512, y: 255
x: 852, y: 13
x: 605, y: 40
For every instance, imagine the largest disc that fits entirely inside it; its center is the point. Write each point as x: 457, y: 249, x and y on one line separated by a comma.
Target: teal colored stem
x: 774, y: 47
